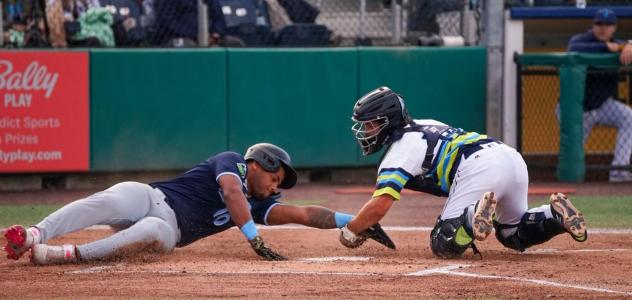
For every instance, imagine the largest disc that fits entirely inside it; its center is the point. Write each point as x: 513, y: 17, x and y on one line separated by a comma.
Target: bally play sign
x: 44, y: 109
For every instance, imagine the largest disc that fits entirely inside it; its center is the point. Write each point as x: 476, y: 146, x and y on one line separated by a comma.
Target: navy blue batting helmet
x: 271, y: 158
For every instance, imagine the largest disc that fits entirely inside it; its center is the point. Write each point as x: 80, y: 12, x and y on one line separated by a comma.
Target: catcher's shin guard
x: 450, y: 238
x: 533, y: 229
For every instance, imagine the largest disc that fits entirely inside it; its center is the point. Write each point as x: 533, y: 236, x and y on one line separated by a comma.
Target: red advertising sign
x: 44, y: 111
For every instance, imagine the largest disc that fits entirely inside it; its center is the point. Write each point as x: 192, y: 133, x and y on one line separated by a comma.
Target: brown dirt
x: 225, y: 266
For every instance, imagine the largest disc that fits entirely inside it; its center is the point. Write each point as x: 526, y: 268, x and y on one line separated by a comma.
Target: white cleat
x: 42, y: 254
x: 570, y: 217
x: 620, y: 176
x: 483, y: 222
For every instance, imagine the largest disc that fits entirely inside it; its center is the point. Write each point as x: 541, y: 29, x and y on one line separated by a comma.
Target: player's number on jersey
x: 221, y: 217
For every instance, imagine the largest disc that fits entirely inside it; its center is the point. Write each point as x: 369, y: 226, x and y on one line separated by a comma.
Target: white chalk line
x: 436, y: 270
x: 444, y: 270
x: 93, y: 270
x: 555, y: 251
x: 394, y: 228
x: 335, y: 258
x: 448, y: 271
x: 185, y: 272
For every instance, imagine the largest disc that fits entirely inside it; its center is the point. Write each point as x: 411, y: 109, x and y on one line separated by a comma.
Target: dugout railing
x: 551, y: 90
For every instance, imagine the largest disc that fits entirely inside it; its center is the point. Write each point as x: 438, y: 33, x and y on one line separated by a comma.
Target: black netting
x: 565, y: 2
x: 237, y: 23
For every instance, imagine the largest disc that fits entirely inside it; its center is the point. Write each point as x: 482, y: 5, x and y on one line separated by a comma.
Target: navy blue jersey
x: 600, y: 86
x: 197, y: 198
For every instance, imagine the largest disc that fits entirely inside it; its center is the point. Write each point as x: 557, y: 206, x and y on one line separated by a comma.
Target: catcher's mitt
x: 377, y: 234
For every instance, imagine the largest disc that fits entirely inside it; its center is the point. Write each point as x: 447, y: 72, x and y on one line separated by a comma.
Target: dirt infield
x: 320, y: 268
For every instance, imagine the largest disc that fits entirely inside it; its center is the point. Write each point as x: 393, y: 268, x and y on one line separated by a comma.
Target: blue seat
x: 304, y: 35
x: 248, y: 20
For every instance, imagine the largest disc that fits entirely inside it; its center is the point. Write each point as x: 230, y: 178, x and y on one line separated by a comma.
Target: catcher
x: 208, y: 199
x: 485, y: 181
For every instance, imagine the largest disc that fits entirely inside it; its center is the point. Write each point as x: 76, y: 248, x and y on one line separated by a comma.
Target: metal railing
x: 606, y: 121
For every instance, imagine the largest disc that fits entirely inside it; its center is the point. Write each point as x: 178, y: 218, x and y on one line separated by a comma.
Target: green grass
x: 25, y: 214
x: 32, y: 214
x: 604, y: 212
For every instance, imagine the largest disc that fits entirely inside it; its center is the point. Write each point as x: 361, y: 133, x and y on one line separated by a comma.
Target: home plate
x: 336, y: 258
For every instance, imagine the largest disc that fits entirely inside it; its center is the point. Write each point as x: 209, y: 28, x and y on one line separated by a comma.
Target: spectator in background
x: 600, y: 107
x: 24, y: 24
x: 177, y: 22
x: 16, y: 19
x: 424, y: 18
x: 95, y: 29
x: 279, y: 17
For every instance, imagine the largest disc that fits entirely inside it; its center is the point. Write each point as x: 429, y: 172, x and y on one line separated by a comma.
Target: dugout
x: 543, y: 72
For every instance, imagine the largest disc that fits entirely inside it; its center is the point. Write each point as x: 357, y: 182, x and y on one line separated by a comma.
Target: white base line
x: 448, y: 271
x: 92, y: 270
x: 556, y: 251
x: 391, y: 228
x: 184, y: 272
x: 335, y: 259
x: 436, y: 270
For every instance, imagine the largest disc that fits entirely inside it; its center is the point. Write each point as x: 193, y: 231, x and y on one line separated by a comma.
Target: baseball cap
x: 605, y: 15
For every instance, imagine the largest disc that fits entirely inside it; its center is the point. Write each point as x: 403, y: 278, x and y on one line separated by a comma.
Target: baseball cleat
x: 19, y: 240
x: 483, y: 223
x: 620, y: 176
x: 42, y: 254
x: 570, y: 217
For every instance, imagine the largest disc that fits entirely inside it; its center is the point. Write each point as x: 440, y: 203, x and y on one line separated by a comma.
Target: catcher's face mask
x: 367, y: 133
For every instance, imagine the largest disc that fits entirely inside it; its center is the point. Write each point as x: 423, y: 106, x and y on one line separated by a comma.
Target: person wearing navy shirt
x: 226, y: 190
x: 600, y: 106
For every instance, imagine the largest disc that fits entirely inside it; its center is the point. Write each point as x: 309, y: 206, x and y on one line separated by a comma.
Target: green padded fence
x: 572, y: 71
x: 448, y: 85
x: 299, y: 99
x: 156, y: 109
x: 169, y: 109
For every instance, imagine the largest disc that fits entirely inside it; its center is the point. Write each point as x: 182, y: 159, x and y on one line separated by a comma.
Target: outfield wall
x: 167, y: 109
x: 161, y: 109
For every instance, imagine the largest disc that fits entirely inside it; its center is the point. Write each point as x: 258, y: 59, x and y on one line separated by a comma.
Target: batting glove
x: 260, y: 248
x: 349, y: 239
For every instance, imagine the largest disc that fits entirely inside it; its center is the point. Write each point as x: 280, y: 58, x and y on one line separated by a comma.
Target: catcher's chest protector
x: 436, y: 178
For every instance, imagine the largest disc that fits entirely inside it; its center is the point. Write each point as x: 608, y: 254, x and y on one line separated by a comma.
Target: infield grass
x: 600, y: 212
x: 603, y: 211
x: 25, y: 214
x: 32, y: 214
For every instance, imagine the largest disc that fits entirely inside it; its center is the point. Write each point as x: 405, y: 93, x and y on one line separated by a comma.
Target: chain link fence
x: 237, y: 23
x: 607, y: 122
x: 565, y: 2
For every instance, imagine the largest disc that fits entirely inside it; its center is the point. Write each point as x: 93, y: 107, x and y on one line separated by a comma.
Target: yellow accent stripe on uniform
x: 394, y: 176
x: 387, y: 190
x: 443, y: 168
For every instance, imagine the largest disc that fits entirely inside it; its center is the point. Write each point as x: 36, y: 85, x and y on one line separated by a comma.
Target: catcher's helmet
x: 271, y: 158
x: 377, y: 114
